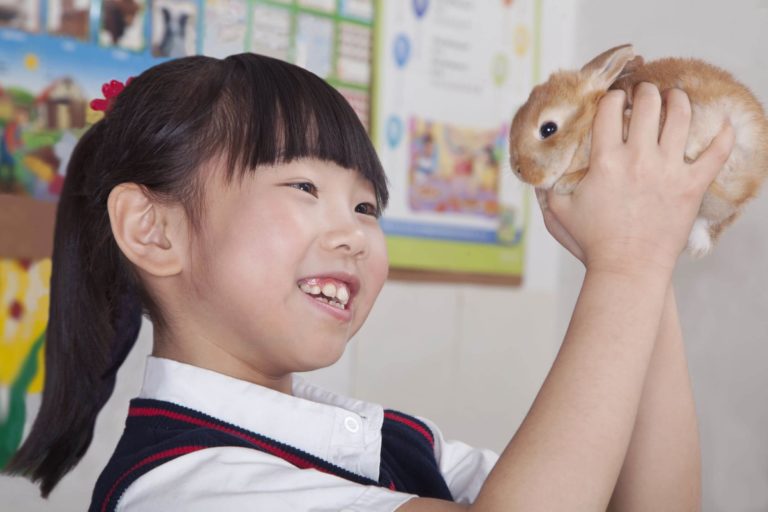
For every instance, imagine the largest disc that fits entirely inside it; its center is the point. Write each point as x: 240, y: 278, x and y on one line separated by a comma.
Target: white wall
x: 723, y: 299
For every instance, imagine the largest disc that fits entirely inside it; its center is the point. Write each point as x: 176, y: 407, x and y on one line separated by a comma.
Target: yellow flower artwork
x: 24, y: 300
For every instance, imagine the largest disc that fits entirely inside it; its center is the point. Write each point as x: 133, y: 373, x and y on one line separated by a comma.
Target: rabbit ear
x: 631, y: 66
x: 603, y: 70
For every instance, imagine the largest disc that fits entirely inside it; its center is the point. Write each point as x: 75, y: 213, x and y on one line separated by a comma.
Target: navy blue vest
x: 157, y: 432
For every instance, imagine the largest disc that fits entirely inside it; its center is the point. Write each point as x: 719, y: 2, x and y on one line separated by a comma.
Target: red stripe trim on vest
x: 181, y: 450
x: 415, y: 426
x: 294, y: 459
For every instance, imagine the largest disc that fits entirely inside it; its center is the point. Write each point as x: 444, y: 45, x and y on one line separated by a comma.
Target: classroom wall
x: 723, y: 299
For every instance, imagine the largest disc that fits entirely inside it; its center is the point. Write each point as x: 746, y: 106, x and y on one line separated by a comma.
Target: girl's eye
x: 305, y: 186
x: 367, y: 209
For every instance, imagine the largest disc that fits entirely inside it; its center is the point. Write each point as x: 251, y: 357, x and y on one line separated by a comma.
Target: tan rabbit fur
x: 569, y: 100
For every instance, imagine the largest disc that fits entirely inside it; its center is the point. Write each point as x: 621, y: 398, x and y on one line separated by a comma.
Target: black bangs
x: 273, y: 112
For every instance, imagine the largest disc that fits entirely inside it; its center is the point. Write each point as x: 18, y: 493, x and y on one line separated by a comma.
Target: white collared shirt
x: 341, y: 430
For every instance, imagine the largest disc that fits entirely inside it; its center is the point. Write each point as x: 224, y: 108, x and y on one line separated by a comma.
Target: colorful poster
x: 450, y: 76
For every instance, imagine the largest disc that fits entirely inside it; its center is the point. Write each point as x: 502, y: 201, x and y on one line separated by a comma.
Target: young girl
x: 236, y: 203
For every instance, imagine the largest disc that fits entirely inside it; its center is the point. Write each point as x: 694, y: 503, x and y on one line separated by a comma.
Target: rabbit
x: 550, y: 135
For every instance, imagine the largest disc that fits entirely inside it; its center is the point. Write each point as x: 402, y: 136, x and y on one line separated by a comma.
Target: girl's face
x: 285, y: 270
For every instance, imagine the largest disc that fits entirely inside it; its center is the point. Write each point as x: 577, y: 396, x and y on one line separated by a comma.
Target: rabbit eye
x: 547, y: 129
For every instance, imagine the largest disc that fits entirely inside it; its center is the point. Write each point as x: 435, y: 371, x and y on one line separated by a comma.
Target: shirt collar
x: 338, y: 429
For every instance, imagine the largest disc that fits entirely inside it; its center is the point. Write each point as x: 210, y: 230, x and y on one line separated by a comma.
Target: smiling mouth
x: 329, y: 291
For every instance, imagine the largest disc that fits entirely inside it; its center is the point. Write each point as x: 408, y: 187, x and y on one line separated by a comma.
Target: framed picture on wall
x: 70, y: 18
x: 174, y: 28
x: 122, y: 24
x: 20, y: 14
x: 445, y: 95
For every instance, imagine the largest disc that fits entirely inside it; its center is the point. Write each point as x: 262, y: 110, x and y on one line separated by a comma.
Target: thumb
x: 541, y: 196
x: 558, y: 203
x: 709, y: 163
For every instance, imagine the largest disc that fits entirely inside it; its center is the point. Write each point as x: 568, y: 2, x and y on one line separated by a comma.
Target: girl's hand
x: 556, y: 229
x: 634, y: 209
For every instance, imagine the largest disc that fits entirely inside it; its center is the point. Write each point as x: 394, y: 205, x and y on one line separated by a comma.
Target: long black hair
x: 170, y: 121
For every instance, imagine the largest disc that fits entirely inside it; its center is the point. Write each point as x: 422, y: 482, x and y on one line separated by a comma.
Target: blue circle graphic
x: 420, y: 7
x: 402, y: 50
x: 394, y: 131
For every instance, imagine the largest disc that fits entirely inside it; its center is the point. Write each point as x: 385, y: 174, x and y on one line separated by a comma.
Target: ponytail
x: 94, y: 319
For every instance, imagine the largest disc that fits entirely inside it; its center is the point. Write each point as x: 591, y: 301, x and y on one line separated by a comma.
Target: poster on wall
x: 54, y: 57
x: 450, y: 76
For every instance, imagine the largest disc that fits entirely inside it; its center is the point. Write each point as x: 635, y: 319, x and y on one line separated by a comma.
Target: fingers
x: 646, y: 110
x: 557, y: 230
x: 607, y: 127
x: 677, y: 123
x: 709, y: 163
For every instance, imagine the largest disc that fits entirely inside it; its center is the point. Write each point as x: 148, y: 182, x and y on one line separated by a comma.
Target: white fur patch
x: 709, y: 119
x: 700, y: 241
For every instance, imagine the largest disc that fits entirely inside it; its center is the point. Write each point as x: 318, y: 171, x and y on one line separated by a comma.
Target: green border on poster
x: 446, y: 256
x: 458, y: 257
x: 294, y: 9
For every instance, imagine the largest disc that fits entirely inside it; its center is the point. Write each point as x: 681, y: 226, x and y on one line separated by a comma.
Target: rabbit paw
x: 700, y: 240
x: 567, y: 183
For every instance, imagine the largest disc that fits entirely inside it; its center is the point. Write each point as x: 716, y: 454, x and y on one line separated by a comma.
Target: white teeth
x: 329, y: 290
x: 342, y: 294
x: 330, y: 302
x: 335, y: 295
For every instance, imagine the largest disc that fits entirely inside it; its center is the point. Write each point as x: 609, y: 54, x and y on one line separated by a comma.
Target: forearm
x: 663, y: 466
x: 569, y: 450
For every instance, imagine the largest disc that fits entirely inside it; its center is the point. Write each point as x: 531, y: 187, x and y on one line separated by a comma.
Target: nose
x: 345, y: 236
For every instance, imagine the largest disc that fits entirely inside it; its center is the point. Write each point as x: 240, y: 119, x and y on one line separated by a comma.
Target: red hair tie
x: 110, y: 90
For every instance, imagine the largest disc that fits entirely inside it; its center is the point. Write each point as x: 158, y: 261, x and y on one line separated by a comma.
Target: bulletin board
x: 449, y: 76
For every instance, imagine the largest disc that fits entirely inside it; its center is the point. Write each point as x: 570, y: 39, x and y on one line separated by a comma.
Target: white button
x: 352, y: 424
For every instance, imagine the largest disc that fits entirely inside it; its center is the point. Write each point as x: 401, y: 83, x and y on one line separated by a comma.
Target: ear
x: 147, y: 232
x: 604, y: 69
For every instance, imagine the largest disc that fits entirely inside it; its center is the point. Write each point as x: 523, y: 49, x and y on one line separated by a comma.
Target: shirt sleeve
x: 464, y: 467
x: 234, y: 478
